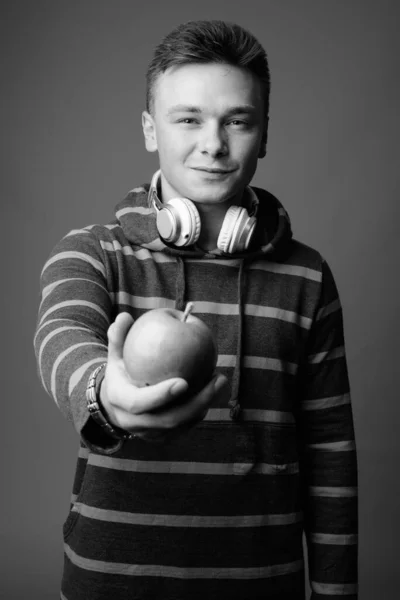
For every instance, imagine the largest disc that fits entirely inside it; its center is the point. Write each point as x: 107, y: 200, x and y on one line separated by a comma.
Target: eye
x: 187, y: 121
x: 238, y: 123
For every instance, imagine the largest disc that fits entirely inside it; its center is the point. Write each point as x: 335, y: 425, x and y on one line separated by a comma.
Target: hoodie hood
x: 271, y: 239
x: 137, y: 217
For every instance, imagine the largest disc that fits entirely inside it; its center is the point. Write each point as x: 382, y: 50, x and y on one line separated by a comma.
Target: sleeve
x: 328, y: 451
x: 71, y: 334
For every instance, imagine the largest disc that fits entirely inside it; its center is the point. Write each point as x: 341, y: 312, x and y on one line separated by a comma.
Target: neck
x: 212, y: 217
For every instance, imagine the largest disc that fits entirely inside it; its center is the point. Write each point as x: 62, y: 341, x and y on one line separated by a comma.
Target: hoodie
x: 220, y: 509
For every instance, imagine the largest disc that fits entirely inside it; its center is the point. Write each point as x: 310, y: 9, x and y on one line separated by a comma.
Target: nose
x: 213, y: 141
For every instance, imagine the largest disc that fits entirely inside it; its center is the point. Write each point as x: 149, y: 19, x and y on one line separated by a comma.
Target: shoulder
x: 312, y: 261
x: 305, y: 255
x: 93, y: 236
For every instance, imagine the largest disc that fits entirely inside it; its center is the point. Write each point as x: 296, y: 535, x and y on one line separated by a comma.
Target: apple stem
x: 188, y: 310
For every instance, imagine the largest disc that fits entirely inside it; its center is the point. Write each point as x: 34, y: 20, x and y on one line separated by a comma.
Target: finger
x: 196, y: 409
x: 117, y: 333
x: 181, y: 416
x: 191, y: 410
x: 159, y: 395
x: 221, y: 387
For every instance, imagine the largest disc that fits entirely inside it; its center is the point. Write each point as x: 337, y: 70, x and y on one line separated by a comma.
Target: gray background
x: 72, y: 76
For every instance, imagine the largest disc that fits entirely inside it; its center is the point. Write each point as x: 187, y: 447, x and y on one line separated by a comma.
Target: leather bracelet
x: 95, y: 409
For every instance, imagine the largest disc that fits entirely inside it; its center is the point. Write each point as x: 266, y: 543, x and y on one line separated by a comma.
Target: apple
x: 166, y: 342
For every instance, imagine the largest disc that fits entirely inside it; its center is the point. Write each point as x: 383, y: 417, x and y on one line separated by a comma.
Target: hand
x: 151, y: 412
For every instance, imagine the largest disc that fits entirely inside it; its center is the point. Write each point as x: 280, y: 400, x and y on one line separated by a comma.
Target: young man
x: 217, y: 507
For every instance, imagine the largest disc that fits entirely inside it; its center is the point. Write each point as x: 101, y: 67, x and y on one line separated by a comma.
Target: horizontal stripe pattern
x: 156, y: 245
x: 83, y: 452
x: 77, y: 375
x: 61, y: 357
x: 192, y: 521
x: 64, y: 256
x: 328, y: 355
x: 190, y: 468
x: 284, y: 269
x: 261, y: 416
x: 323, y: 403
x: 342, y: 446
x: 140, y: 254
x: 70, y: 304
x: 84, y: 231
x: 334, y: 539
x: 137, y: 210
x: 329, y: 309
x: 52, y: 286
x: 214, y: 308
x: 258, y: 362
x: 334, y: 589
x: 257, y: 265
x: 333, y: 492
x: 51, y: 335
x: 220, y: 469
x: 133, y: 570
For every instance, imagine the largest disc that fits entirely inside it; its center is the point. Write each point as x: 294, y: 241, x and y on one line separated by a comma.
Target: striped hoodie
x: 219, y: 510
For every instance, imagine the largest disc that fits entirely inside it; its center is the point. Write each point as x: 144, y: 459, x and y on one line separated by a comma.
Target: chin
x: 213, y: 192
x: 212, y: 201
x: 210, y: 196
x: 205, y: 190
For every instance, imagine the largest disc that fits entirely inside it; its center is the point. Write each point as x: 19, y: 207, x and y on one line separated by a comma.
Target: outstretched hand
x: 152, y: 411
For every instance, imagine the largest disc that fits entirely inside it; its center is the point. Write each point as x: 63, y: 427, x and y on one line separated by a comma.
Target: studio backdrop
x: 73, y: 91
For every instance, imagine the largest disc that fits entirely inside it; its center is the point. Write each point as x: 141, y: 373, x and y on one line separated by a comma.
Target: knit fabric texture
x: 219, y: 510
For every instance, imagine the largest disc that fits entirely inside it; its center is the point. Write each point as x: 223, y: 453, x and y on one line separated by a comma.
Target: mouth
x: 213, y: 170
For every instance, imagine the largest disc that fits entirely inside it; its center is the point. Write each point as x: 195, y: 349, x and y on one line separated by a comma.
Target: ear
x: 263, y: 144
x: 149, y: 132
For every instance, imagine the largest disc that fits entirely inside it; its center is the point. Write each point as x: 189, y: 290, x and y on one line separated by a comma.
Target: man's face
x: 207, y: 126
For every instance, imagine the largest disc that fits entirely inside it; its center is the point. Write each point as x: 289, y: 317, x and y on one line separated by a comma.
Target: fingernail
x: 178, y: 388
x: 219, y: 381
x: 221, y: 385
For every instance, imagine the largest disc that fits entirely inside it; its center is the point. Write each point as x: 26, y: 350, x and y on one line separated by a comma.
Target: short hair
x: 209, y: 42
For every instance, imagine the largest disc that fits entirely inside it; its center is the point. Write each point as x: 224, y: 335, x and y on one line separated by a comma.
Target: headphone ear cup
x: 178, y: 222
x: 236, y: 231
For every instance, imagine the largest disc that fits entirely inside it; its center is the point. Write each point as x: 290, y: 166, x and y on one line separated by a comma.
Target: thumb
x: 117, y: 333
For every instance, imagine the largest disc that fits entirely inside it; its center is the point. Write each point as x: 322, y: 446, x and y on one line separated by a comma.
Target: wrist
x: 95, y: 406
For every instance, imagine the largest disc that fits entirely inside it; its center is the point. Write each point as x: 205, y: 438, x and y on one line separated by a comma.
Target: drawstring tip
x: 235, y: 412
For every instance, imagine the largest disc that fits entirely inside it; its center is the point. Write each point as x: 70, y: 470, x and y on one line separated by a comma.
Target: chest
x: 276, y: 311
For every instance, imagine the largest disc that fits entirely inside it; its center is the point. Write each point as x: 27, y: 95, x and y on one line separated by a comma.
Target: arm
x: 74, y: 315
x: 76, y: 332
x: 329, y: 461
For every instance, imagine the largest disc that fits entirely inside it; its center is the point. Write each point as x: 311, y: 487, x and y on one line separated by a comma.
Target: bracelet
x: 95, y: 409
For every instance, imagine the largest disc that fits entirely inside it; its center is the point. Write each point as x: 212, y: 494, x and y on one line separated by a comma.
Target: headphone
x: 178, y: 221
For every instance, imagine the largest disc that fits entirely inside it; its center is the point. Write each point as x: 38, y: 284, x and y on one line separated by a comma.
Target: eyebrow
x: 234, y: 110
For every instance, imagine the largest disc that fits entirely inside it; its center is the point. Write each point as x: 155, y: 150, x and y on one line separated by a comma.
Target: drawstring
x: 180, y: 284
x: 234, y: 399
x: 180, y: 289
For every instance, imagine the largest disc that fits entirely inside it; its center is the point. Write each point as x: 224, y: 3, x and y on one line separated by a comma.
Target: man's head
x: 209, y: 42
x: 207, y: 108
